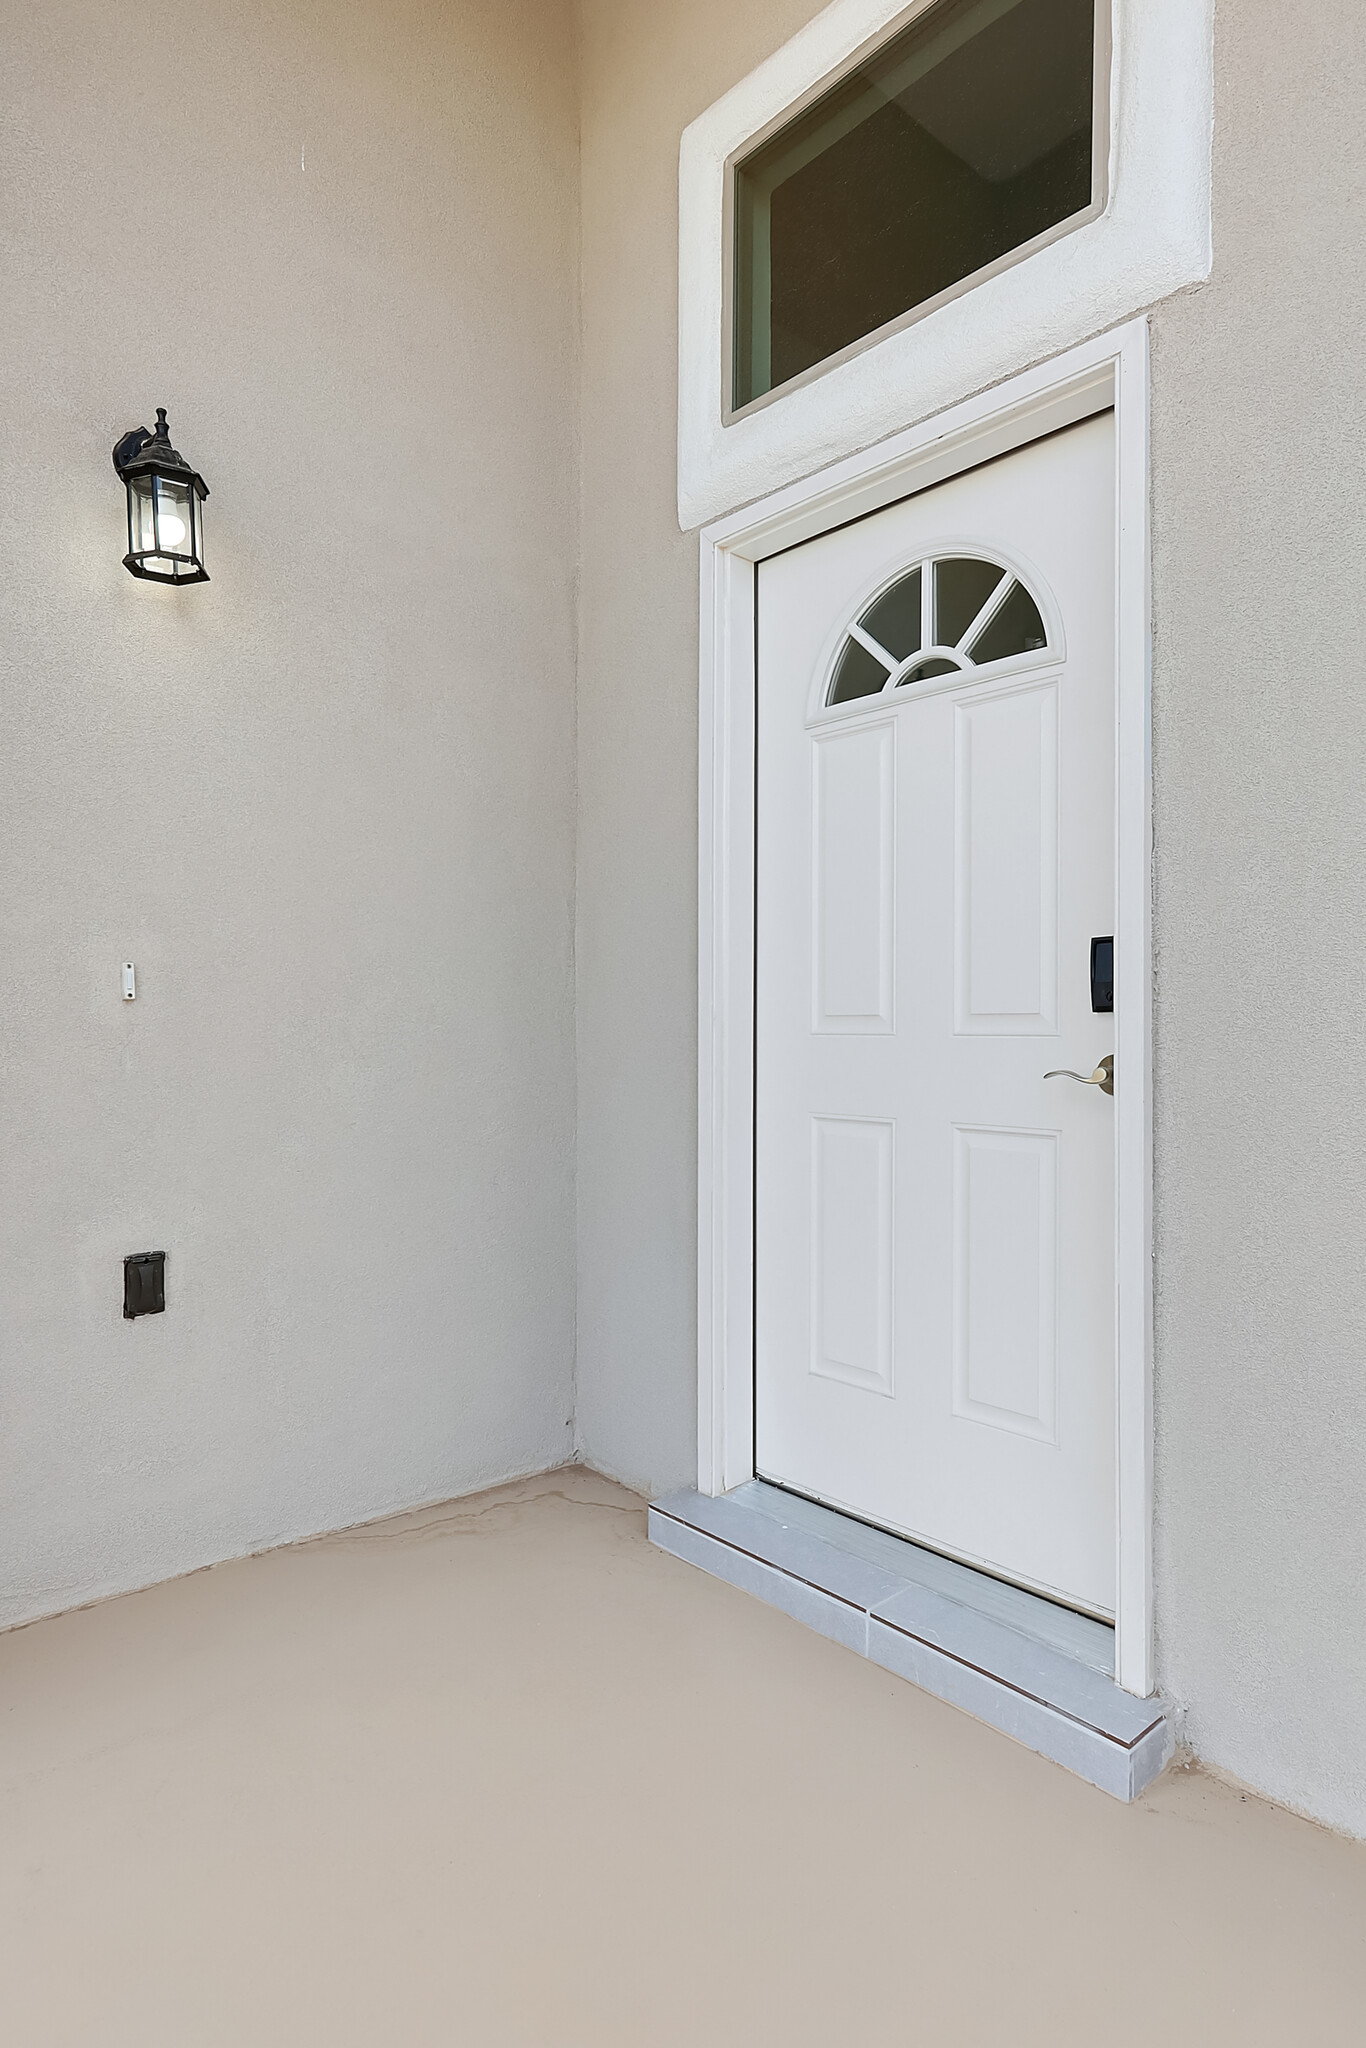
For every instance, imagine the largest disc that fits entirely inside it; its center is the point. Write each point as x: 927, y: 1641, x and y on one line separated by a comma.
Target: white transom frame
x: 983, y: 546
x: 1111, y: 370
x: 1152, y: 238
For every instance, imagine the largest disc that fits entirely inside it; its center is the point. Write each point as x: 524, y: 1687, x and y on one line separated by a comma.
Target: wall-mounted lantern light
x: 165, y: 507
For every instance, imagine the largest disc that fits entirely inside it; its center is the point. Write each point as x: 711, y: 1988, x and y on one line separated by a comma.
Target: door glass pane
x: 935, y: 666
x: 859, y: 674
x: 1014, y: 629
x: 962, y: 586
x: 894, y: 621
x: 960, y: 140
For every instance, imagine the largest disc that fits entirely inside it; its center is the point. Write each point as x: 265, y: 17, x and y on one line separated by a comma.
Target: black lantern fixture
x: 165, y: 507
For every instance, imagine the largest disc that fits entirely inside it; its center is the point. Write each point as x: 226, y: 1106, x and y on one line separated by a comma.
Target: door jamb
x: 1111, y: 370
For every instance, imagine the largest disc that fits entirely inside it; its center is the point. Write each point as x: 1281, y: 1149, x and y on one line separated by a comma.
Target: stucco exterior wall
x: 647, y: 71
x: 1259, y: 509
x: 325, y: 802
x: 1260, y: 728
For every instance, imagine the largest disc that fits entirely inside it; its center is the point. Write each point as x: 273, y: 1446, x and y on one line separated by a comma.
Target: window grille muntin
x: 1009, y: 626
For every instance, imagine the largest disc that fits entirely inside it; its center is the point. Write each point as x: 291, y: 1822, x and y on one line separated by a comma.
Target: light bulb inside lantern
x: 172, y: 530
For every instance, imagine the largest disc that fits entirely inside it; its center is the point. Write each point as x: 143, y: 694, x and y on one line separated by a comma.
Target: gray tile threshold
x: 1034, y: 1670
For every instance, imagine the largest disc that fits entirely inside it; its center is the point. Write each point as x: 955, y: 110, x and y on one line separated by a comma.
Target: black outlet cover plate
x: 144, y: 1284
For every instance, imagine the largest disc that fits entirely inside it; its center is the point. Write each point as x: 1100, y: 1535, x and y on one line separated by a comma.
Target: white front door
x: 934, y: 1222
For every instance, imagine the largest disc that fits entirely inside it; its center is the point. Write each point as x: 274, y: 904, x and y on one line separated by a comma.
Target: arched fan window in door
x: 949, y: 615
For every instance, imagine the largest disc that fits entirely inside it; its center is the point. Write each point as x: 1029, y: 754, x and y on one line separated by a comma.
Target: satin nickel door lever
x: 1103, y: 1078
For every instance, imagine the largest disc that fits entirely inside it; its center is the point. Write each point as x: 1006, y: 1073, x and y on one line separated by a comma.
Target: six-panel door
x: 934, y: 1276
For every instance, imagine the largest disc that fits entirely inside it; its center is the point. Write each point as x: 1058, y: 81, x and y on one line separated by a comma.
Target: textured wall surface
x: 1260, y: 729
x: 327, y: 805
x: 325, y: 802
x: 1259, y: 503
x: 647, y: 71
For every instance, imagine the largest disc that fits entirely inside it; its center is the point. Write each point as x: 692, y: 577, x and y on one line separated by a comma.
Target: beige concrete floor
x: 499, y: 1773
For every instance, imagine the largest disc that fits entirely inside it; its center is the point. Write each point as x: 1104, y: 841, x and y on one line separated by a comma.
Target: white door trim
x: 1111, y: 370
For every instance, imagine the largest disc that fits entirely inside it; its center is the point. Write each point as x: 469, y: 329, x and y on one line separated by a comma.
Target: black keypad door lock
x: 1102, y: 974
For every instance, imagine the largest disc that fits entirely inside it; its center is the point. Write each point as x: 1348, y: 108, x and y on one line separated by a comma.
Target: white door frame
x: 1111, y: 370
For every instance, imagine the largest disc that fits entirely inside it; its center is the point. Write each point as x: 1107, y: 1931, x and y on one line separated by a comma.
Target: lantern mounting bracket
x: 127, y: 446
x: 143, y: 449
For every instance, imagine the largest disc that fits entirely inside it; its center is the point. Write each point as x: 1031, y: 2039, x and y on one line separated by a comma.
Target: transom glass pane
x: 961, y: 140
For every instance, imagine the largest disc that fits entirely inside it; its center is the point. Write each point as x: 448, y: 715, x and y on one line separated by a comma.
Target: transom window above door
x: 947, y: 616
x: 964, y: 142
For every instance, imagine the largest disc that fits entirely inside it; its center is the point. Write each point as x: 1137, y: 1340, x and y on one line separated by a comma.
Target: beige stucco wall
x: 1259, y: 717
x: 325, y: 802
x: 647, y: 71
x: 327, y: 805
x: 1260, y: 731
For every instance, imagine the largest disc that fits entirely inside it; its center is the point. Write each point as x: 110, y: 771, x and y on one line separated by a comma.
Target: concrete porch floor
x: 499, y: 1773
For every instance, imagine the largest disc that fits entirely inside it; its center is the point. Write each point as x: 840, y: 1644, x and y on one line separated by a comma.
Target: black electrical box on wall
x: 144, y: 1284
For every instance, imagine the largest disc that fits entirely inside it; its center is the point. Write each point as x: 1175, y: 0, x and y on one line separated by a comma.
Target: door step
x: 1036, y: 1671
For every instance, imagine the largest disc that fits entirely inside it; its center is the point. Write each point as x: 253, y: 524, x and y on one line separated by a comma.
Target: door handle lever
x: 1103, y: 1078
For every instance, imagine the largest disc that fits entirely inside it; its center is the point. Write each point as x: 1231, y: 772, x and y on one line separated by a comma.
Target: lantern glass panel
x: 141, y: 531
x: 173, y: 517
